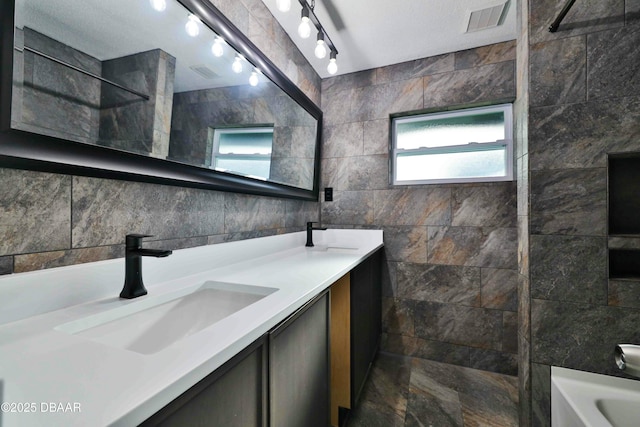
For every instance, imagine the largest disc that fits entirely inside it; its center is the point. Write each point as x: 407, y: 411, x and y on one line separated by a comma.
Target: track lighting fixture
x: 332, y: 68
x: 321, y: 46
x: 304, y: 29
x: 323, y: 42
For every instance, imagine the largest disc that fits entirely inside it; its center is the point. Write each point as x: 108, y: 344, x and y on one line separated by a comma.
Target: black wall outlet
x: 328, y: 194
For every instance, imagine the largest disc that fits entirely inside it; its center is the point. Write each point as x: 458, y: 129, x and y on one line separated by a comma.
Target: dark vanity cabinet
x: 366, y: 320
x: 356, y: 326
x: 234, y: 395
x: 309, y: 370
x: 299, y: 368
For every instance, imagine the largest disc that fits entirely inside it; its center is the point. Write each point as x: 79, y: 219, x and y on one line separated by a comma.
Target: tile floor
x: 406, y: 391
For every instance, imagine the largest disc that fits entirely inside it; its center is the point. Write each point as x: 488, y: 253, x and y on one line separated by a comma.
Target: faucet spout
x: 133, y: 285
x: 310, y: 229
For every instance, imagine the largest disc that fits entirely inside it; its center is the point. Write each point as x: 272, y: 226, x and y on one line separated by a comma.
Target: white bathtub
x: 583, y: 399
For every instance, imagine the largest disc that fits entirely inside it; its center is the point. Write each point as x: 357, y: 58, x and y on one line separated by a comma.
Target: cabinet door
x: 299, y: 368
x: 366, y: 320
x: 232, y: 396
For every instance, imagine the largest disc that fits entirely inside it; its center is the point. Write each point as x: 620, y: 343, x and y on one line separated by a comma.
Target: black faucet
x: 133, y: 286
x: 310, y: 229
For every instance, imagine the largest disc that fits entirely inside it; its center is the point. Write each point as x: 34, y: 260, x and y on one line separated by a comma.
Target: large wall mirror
x: 162, y: 91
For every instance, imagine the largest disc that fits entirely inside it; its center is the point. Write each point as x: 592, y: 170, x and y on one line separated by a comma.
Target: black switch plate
x: 328, y: 194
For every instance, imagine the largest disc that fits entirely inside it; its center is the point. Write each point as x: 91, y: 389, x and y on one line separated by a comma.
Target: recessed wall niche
x: 624, y: 213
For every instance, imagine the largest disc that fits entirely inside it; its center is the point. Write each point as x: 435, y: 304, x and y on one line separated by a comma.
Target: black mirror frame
x: 25, y: 150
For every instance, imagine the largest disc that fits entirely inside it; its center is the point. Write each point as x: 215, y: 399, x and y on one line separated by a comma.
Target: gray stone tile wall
x: 451, y: 250
x: 583, y: 104
x: 49, y: 220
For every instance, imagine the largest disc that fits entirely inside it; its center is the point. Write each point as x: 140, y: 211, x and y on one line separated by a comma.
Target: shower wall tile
x: 6, y: 265
x: 248, y: 213
x: 558, y: 72
x: 335, y: 173
x: 376, y: 137
x: 491, y: 54
x: 299, y: 212
x: 613, y: 67
x: 456, y: 324
x: 347, y: 82
x: 569, y: 202
x: 413, y: 206
x: 104, y: 211
x: 473, y: 246
x: 624, y: 293
x: 349, y: 207
x: 426, y: 349
x: 343, y: 140
x: 422, y: 264
x: 405, y: 243
x: 499, y: 288
x: 484, y: 206
x: 439, y: 283
x: 569, y: 268
x: 377, y: 102
x: 541, y: 399
x: 494, y: 361
x: 42, y: 260
x: 580, y: 135
x: 417, y: 68
x: 34, y: 212
x: 587, y: 17
x: 562, y: 334
x: 482, y: 84
x: 368, y: 172
x: 398, y: 316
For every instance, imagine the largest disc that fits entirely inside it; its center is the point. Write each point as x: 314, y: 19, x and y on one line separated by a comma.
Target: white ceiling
x: 374, y: 33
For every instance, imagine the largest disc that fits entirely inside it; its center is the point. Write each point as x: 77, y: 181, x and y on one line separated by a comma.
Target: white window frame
x: 507, y: 109
x: 215, y: 153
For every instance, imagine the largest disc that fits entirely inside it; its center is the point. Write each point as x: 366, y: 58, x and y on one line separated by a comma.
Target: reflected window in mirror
x: 245, y: 151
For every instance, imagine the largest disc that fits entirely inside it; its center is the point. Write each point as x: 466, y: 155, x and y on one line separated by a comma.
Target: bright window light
x: 471, y: 145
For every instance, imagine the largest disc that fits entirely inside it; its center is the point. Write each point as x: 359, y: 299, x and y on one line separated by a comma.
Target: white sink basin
x: 153, y: 323
x: 583, y: 399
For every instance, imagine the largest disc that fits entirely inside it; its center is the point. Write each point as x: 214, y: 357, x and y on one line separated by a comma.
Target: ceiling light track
x: 323, y: 40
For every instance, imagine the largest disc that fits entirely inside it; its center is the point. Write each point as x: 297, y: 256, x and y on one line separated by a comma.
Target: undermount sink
x: 584, y: 399
x: 153, y: 323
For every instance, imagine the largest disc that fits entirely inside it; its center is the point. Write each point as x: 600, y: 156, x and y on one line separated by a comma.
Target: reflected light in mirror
x: 217, y: 49
x: 253, y: 80
x: 283, y: 5
x: 192, y: 27
x: 159, y: 5
x: 237, y: 65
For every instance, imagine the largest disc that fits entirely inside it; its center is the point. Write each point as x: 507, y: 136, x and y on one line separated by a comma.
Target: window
x: 470, y: 145
x: 245, y: 151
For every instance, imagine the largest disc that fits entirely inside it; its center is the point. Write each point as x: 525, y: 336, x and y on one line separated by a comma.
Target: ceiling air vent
x: 204, y: 71
x: 489, y: 17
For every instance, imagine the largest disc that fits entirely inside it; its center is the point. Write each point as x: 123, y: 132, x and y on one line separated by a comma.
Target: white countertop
x: 90, y: 383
